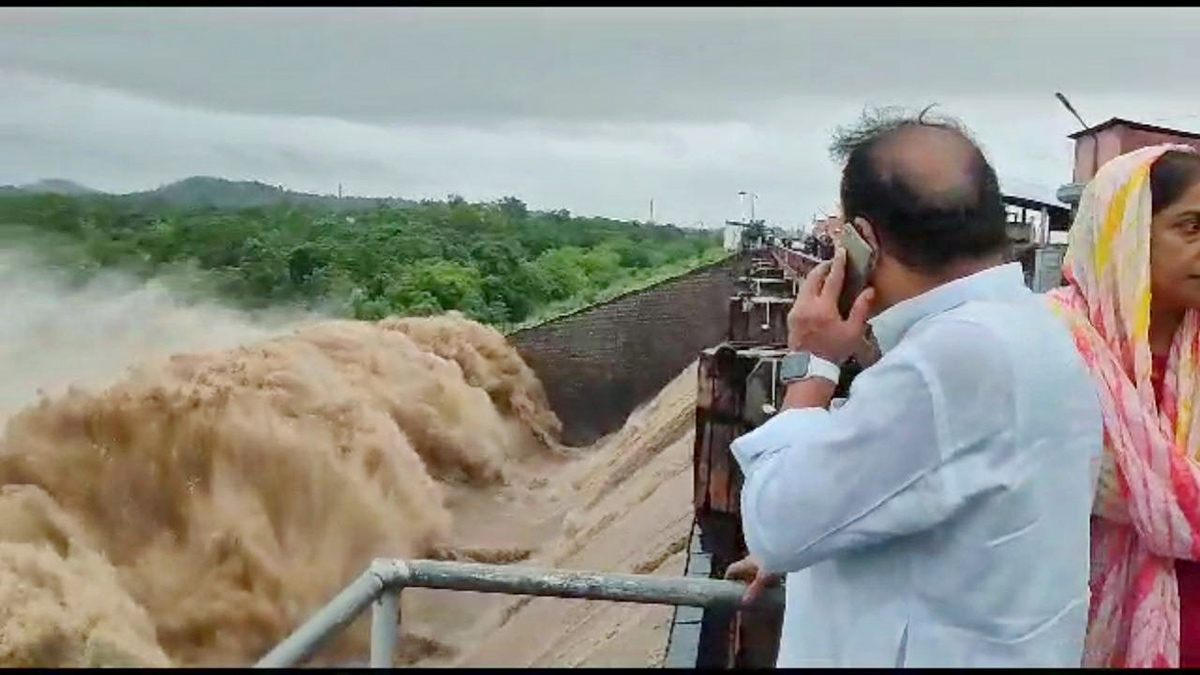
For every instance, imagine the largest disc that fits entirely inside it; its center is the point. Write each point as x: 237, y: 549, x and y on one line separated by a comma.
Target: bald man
x: 940, y: 516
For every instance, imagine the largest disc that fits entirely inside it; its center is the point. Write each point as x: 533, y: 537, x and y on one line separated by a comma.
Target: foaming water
x: 193, y: 510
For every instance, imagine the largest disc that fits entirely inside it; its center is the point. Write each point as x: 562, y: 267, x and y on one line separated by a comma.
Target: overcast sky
x: 594, y: 110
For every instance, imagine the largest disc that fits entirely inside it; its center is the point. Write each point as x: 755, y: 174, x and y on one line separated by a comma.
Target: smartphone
x: 860, y: 260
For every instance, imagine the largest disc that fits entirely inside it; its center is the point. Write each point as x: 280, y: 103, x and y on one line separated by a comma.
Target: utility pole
x: 339, y: 190
x: 652, y: 210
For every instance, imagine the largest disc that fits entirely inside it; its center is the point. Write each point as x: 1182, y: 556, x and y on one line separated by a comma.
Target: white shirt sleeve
x: 886, y: 464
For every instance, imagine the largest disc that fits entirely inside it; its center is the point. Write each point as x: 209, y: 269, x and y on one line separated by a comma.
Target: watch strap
x: 819, y: 367
x: 803, y: 365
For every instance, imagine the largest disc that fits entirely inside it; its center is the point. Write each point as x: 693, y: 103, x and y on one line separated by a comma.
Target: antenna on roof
x: 1070, y: 108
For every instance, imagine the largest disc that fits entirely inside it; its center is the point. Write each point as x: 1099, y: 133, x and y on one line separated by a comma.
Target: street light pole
x: 1070, y: 108
x: 1095, y: 142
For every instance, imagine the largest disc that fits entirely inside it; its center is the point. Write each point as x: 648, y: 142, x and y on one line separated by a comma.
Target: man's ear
x: 867, y: 231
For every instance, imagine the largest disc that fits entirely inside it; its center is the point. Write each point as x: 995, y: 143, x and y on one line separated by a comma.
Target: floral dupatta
x: 1147, y: 508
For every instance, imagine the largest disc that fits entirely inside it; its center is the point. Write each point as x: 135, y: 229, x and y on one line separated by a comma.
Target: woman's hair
x: 1171, y: 176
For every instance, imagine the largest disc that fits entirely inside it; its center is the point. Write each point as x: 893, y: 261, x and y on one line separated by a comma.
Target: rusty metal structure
x: 738, y: 389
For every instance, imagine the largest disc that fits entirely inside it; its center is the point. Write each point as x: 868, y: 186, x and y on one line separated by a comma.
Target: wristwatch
x: 798, y: 366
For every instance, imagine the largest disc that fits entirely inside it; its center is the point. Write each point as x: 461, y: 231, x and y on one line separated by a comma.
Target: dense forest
x: 497, y: 262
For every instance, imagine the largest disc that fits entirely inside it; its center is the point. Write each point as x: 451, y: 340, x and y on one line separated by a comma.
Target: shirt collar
x: 992, y: 283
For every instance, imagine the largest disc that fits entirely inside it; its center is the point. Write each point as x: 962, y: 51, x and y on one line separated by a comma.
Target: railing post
x: 385, y: 625
x: 327, y: 622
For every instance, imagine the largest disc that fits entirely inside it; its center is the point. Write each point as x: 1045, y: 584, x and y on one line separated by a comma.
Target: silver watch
x: 798, y: 366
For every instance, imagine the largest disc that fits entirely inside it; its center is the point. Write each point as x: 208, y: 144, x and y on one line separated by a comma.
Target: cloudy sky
x: 595, y: 110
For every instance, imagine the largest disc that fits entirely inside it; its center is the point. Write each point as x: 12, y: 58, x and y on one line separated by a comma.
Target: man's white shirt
x: 941, y: 516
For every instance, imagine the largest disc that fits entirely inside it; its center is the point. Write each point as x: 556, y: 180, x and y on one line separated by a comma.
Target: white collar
x: 992, y: 283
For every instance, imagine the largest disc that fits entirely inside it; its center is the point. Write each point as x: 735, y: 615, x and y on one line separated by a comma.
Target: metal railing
x: 381, y: 584
x: 797, y: 263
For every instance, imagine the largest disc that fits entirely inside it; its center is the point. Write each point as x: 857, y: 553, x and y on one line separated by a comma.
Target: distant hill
x: 207, y: 191
x: 56, y: 186
x: 210, y: 192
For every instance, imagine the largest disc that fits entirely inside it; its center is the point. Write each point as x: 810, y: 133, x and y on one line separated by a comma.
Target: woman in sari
x: 1132, y: 301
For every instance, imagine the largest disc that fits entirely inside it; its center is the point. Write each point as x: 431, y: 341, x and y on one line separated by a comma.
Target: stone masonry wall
x: 602, y: 362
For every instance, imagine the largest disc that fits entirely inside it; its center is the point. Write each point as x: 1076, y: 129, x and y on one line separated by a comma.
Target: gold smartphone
x: 860, y: 261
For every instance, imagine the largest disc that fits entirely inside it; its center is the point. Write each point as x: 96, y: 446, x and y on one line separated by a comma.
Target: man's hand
x: 749, y: 570
x: 814, y: 323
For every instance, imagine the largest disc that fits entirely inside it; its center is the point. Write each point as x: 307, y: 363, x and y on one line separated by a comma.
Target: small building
x: 1099, y: 144
x: 745, y: 235
x: 1037, y: 233
x: 1035, y: 222
x: 733, y: 236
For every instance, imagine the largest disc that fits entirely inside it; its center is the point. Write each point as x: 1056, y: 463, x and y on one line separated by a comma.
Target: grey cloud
x: 596, y: 110
x: 113, y: 141
x: 619, y: 64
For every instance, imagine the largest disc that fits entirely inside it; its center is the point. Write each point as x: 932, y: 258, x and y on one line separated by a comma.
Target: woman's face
x: 1175, y: 253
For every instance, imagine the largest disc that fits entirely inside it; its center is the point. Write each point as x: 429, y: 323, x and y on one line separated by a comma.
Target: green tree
x: 498, y: 262
x: 514, y: 208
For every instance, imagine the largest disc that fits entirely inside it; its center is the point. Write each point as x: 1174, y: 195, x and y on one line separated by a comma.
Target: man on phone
x: 940, y: 516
